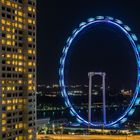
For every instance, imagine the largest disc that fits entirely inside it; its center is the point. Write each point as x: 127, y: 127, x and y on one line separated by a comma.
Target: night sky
x: 55, y: 22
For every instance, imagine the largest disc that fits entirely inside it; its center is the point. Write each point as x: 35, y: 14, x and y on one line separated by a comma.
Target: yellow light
x: 9, y: 108
x: 8, y: 23
x: 3, y: 21
x: 20, y: 57
x: 20, y: 19
x: 19, y: 51
x: 16, y: 18
x: 3, y: 102
x: 9, y: 101
x: 30, y: 9
x: 3, y: 41
x: 33, y: 9
x: 16, y: 6
x: 20, y: 125
x: 20, y: 81
x: 29, y: 130
x: 3, y: 28
x: 29, y: 51
x: 13, y: 30
x: 13, y: 36
x: 21, y: 138
x: 8, y: 62
x: 8, y: 55
x: 8, y: 42
x: 29, y: 63
x: 20, y: 69
x: 30, y: 75
x: 20, y: 26
x: 8, y: 3
x: 20, y: 13
x: 29, y: 21
x: 3, y: 115
x: 30, y: 137
x: 3, y: 88
x: 8, y: 36
x: 30, y: 82
x: 3, y: 122
x: 3, y: 82
x: 2, y: 1
x: 30, y: 88
x: 30, y: 39
x: 20, y: 63
x: 3, y: 129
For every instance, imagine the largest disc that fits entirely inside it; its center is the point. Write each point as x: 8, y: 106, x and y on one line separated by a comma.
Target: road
x: 87, y: 137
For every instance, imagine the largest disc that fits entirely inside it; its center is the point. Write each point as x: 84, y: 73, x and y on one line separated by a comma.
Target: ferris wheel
x: 126, y: 31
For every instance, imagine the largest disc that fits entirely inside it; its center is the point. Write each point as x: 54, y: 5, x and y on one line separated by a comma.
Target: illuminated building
x: 17, y: 69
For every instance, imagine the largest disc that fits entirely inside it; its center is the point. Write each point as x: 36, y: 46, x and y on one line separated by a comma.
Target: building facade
x: 17, y: 69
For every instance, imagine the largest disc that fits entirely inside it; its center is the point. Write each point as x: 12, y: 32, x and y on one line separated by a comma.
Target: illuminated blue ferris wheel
x: 118, y: 24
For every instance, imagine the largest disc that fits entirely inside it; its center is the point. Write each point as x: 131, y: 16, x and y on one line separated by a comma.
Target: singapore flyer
x: 133, y: 40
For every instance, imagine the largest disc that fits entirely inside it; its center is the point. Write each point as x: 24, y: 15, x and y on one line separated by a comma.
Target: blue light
x: 123, y: 120
x: 66, y: 104
x: 138, y: 47
x: 100, y: 17
x: 131, y: 112
x: 127, y: 28
x: 110, y: 18
x: 74, y: 31
x: 132, y: 38
x: 137, y: 101
x: 91, y: 19
x: 82, y: 23
x: 68, y: 39
x: 115, y: 126
x: 119, y: 21
x: 79, y: 121
x: 72, y: 113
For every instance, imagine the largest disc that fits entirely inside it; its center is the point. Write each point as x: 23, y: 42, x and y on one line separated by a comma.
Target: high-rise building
x: 17, y: 69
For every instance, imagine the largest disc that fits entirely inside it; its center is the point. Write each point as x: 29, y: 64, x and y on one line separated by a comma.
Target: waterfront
x: 88, y: 137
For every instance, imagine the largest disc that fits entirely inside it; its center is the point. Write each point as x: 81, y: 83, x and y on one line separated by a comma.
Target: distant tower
x: 17, y: 69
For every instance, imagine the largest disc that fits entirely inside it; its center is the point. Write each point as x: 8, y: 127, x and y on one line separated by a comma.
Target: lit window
x: 30, y: 82
x: 3, y: 115
x: 3, y: 28
x: 20, y: 63
x: 3, y: 122
x: 9, y: 108
x: 8, y: 55
x: 30, y: 75
x: 30, y: 9
x: 3, y: 41
x: 20, y: 81
x: 8, y: 42
x: 20, y: 57
x: 3, y: 21
x: 29, y: 51
x: 3, y: 129
x: 20, y: 13
x: 8, y: 62
x: 29, y: 21
x: 8, y: 3
x: 29, y: 63
x: 8, y: 36
x: 8, y: 23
